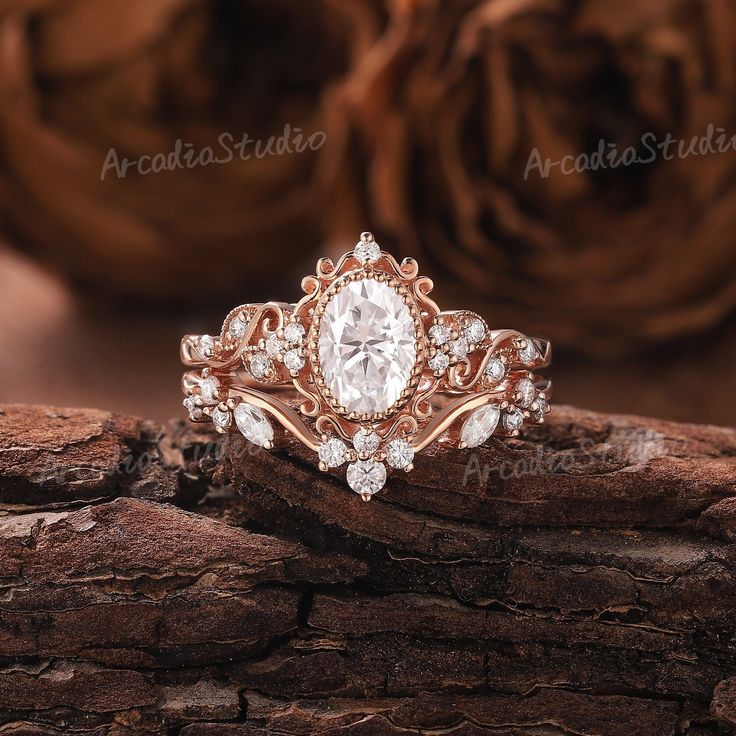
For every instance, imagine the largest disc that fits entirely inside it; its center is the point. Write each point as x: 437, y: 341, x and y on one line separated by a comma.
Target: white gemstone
x: 332, y: 453
x: 513, y: 420
x: 475, y: 331
x: 221, y: 418
x: 367, y: 349
x: 293, y: 333
x: 542, y: 406
x: 367, y: 252
x: 254, y: 425
x: 496, y: 369
x: 529, y: 353
x: 206, y: 344
x: 399, y: 454
x: 237, y: 326
x: 439, y: 362
x: 274, y: 346
x: 459, y: 348
x: 366, y: 441
x: 293, y: 361
x: 366, y: 476
x: 527, y: 392
x: 208, y: 388
x: 480, y: 425
x: 259, y: 365
x: 440, y: 334
x: 195, y: 412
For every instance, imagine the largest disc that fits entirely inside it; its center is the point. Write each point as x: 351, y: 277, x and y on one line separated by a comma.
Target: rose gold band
x: 266, y: 366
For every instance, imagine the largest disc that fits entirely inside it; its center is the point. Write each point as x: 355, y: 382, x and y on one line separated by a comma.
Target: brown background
x: 430, y: 112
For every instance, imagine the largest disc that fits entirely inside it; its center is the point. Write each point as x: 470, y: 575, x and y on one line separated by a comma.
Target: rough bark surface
x: 578, y: 582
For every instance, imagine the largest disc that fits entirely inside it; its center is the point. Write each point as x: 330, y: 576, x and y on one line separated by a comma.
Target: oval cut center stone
x: 366, y: 346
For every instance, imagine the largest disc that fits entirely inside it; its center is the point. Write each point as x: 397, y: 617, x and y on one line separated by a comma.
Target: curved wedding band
x: 365, y: 370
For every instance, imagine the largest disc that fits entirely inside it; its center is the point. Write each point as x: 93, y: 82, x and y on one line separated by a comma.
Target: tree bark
x: 578, y: 581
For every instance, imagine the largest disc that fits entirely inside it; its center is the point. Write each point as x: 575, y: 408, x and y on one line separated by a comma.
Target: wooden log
x: 580, y: 580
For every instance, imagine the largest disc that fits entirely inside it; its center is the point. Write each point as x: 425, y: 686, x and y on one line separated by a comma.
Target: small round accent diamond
x: 439, y: 362
x: 513, y: 420
x: 221, y: 418
x: 542, y: 407
x: 208, y: 388
x: 475, y: 331
x: 195, y: 412
x: 459, y: 348
x: 259, y: 364
x: 237, y: 326
x: 367, y: 252
x: 399, y: 454
x: 496, y: 369
x: 440, y: 334
x: 274, y: 346
x: 294, y: 333
x: 529, y: 353
x: 333, y: 452
x: 526, y: 392
x: 293, y: 361
x: 366, y: 477
x: 366, y: 441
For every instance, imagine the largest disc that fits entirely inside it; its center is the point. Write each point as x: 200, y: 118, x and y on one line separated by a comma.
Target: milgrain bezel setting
x: 268, y: 357
x: 392, y: 282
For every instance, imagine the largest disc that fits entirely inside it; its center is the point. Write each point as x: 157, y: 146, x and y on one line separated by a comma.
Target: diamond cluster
x: 366, y: 473
x: 453, y: 338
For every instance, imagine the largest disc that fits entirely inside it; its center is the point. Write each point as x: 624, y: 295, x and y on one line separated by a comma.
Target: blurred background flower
x: 431, y: 111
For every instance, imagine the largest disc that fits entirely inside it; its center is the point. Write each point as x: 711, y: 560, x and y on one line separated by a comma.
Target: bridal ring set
x: 365, y: 370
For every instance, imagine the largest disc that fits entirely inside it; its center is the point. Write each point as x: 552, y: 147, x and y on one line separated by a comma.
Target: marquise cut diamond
x: 480, y: 425
x: 253, y: 424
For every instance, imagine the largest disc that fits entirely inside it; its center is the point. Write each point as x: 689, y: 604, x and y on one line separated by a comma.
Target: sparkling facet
x: 366, y: 441
x: 195, y: 412
x: 293, y: 361
x: 259, y: 365
x: 253, y: 424
x: 367, y: 252
x: 399, y: 454
x: 459, y: 348
x: 293, y: 333
x: 475, y: 331
x: 208, y: 388
x: 367, y: 348
x: 529, y: 353
x: 513, y: 420
x: 439, y: 362
x: 274, y: 346
x: 440, y: 334
x: 366, y: 476
x: 480, y: 425
x: 496, y: 369
x: 527, y: 392
x: 332, y: 453
x: 221, y: 418
x: 237, y: 327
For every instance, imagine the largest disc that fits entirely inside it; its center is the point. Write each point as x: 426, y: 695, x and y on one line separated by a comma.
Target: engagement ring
x: 365, y: 370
